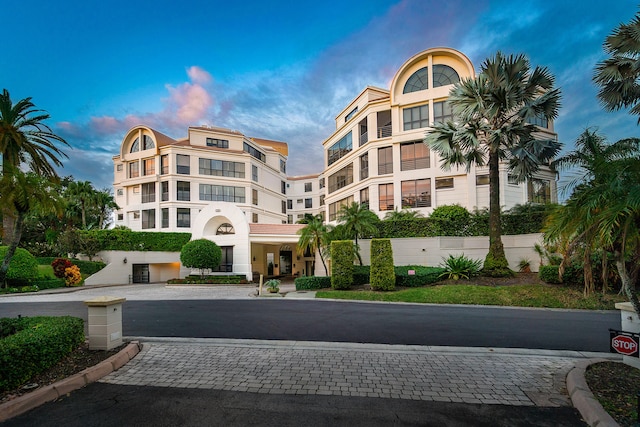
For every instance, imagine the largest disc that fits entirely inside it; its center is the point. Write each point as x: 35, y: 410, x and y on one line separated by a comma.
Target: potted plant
x: 524, y: 265
x: 272, y: 285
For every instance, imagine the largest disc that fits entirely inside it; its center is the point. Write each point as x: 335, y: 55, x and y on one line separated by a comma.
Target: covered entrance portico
x: 274, y: 251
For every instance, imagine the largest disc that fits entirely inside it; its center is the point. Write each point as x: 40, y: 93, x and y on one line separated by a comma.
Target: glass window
x: 289, y: 219
x: 284, y: 206
x: 120, y: 217
x: 339, y: 149
x: 334, y: 208
x: 225, y: 228
x: 351, y: 114
x: 308, y: 203
x: 147, y: 143
x: 364, y: 166
x: 254, y: 173
x: 512, y: 180
x: 539, y: 120
x: 165, y: 217
x: 164, y: 191
x: 283, y: 166
x: 442, y: 112
x: 183, y: 164
x: 417, y: 81
x: 415, y: 117
x: 539, y: 191
x: 119, y: 167
x: 120, y: 192
x: 220, y: 143
x: 385, y: 196
x: 134, y: 170
x: 444, y: 183
x: 149, y: 192
x: 321, y: 185
x: 254, y: 197
x: 444, y: 75
x: 414, y: 155
x: 307, y: 187
x: 136, y: 189
x: 342, y: 178
x: 289, y: 204
x: 226, y: 262
x: 482, y: 179
x: 221, y: 168
x: 135, y: 147
x: 222, y: 193
x: 385, y: 160
x: 183, y: 217
x: 322, y: 200
x: 254, y: 152
x: 283, y: 187
x: 148, y: 219
x: 416, y: 193
x: 149, y: 166
x: 254, y: 218
x: 364, y: 197
x: 184, y: 191
x: 164, y: 164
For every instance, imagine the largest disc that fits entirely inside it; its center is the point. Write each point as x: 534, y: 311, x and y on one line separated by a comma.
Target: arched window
x: 135, y: 147
x: 444, y: 75
x: 225, y: 228
x: 147, y: 142
x: 417, y: 81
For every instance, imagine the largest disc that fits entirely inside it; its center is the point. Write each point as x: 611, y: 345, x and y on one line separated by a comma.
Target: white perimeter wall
x: 162, y: 267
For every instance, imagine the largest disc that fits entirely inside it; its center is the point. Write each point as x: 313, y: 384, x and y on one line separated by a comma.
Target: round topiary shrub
x: 202, y: 254
x: 450, y: 220
x: 23, y: 266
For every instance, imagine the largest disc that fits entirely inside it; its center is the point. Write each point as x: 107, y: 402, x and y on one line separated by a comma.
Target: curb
x: 28, y: 401
x: 583, y: 400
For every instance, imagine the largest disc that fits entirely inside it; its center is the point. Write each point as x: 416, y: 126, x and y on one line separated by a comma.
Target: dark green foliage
x: 127, y: 240
x: 496, y: 267
x: 36, y: 344
x: 201, y: 254
x: 361, y: 274
x: 573, y: 274
x: 549, y: 274
x: 235, y: 279
x: 86, y: 267
x: 423, y: 275
x: 451, y: 220
x: 382, y: 276
x: 342, y: 254
x: 312, y: 282
x: 460, y: 267
x: 23, y: 266
x: 48, y: 283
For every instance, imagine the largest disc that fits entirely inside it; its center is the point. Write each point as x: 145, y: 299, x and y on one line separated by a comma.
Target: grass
x: 516, y: 295
x: 46, y: 271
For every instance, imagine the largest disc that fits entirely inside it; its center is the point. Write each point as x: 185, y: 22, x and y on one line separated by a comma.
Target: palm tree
x: 82, y: 194
x: 492, y: 113
x: 402, y: 215
x: 104, y: 204
x: 26, y: 140
x: 619, y: 75
x: 20, y: 194
x: 313, y: 238
x: 358, y: 221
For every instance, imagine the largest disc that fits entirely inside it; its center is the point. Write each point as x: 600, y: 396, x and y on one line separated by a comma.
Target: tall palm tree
x: 313, y: 238
x: 82, y: 194
x: 20, y: 194
x: 358, y: 221
x: 619, y: 75
x: 25, y: 139
x: 104, y: 203
x: 492, y: 125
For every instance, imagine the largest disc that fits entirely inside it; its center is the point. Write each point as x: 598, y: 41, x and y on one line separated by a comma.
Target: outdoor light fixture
x: 124, y: 261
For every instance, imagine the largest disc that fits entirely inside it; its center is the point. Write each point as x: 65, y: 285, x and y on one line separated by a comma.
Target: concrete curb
x: 31, y: 400
x: 582, y: 398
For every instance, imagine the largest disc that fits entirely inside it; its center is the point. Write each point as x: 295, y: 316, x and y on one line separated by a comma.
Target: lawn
x: 554, y: 296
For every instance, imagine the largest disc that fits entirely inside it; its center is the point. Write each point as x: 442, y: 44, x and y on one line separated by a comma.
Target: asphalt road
x: 281, y: 319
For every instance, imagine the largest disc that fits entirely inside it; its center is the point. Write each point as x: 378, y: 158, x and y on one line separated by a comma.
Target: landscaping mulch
x: 617, y: 388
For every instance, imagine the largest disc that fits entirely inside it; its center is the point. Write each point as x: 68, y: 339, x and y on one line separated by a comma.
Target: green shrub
x: 234, y: 279
x: 361, y: 275
x: 423, y: 275
x: 573, y: 274
x: 342, y: 264
x: 202, y: 254
x: 22, y: 268
x: 549, y: 274
x: 127, y: 240
x: 382, y: 276
x: 312, y: 282
x: 460, y: 267
x: 48, y: 283
x: 86, y: 267
x: 36, y: 344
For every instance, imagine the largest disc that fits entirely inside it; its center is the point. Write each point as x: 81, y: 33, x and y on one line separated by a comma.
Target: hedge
x: 86, y: 267
x: 48, y: 283
x: 236, y: 279
x: 342, y: 266
x: 573, y: 274
x: 423, y: 275
x: 382, y: 274
x: 37, y: 343
x: 126, y: 240
x: 23, y: 267
x: 312, y: 282
x: 361, y: 275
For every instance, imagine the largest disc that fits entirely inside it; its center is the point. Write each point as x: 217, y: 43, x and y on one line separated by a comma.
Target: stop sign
x: 624, y: 345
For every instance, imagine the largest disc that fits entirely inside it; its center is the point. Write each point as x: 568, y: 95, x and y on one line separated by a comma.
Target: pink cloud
x: 191, y: 103
x: 199, y: 75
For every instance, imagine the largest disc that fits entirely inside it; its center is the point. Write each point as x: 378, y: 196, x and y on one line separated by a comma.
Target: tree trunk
x: 358, y: 251
x: 17, y: 234
x: 495, y: 264
x: 629, y: 288
x: 8, y: 225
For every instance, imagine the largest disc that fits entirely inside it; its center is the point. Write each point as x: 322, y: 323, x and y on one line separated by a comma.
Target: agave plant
x: 457, y: 267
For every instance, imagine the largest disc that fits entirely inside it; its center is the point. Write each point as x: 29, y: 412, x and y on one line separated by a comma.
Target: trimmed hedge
x: 312, y: 282
x: 382, y: 274
x: 86, y: 267
x: 36, y: 344
x: 423, y: 275
x: 23, y: 267
x: 573, y: 274
x: 48, y: 283
x: 342, y: 269
x: 361, y: 275
x: 214, y: 280
x: 127, y: 240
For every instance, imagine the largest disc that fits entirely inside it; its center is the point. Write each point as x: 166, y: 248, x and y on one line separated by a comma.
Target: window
x: 342, y: 178
x: 222, y: 193
x: 164, y: 191
x: 225, y: 228
x: 299, y: 201
x: 334, y: 208
x: 414, y: 155
x: 221, y: 168
x: 482, y: 179
x: 283, y: 166
x: 385, y: 160
x: 149, y: 192
x: 539, y: 191
x: 119, y: 167
x: 339, y: 149
x: 351, y: 114
x: 135, y: 147
x: 254, y: 152
x: 136, y: 189
x: 512, y: 180
x: 164, y: 164
x: 120, y: 217
x: 254, y: 218
x: 539, y: 120
x: 417, y: 81
x: 165, y: 217
x: 308, y: 203
x: 184, y: 191
x: 226, y: 262
x: 284, y: 207
x: 444, y: 75
x: 415, y: 117
x: 148, y: 218
x: 364, y: 197
x: 385, y: 129
x: 120, y: 192
x: 136, y: 214
x: 300, y: 216
x: 289, y: 204
x: 220, y: 143
x: 442, y: 183
x: 322, y: 200
x: 385, y: 196
x: 254, y: 173
x: 364, y: 166
x: 442, y: 112
x: 149, y: 166
x: 283, y: 187
x: 321, y: 184
x: 416, y: 193
x: 183, y: 164
x: 134, y: 170
x: 183, y: 217
x: 254, y: 197
x: 147, y: 143
x: 307, y: 187
x: 289, y: 219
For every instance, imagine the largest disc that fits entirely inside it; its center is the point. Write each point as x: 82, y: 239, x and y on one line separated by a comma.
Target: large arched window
x: 147, y: 142
x: 417, y: 81
x: 225, y: 228
x: 444, y: 75
x: 135, y: 147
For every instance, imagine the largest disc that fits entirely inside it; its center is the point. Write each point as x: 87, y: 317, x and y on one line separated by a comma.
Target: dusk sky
x: 275, y: 69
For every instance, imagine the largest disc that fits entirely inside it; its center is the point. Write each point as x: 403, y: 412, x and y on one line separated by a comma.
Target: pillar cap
x: 625, y: 306
x: 104, y: 301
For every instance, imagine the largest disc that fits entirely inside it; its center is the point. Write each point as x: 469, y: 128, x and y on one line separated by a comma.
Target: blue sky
x: 275, y: 69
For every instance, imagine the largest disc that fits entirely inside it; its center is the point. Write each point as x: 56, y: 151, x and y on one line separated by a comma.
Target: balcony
x: 384, y: 131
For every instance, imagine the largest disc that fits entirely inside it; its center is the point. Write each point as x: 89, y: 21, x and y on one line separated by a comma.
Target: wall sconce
x: 298, y: 258
x: 124, y: 261
x: 424, y: 250
x: 254, y: 258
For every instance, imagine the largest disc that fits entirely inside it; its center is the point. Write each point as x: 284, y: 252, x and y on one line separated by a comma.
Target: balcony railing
x: 364, y: 138
x: 384, y: 131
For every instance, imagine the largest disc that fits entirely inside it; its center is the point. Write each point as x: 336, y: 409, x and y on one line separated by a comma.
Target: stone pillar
x: 630, y: 323
x: 105, y: 322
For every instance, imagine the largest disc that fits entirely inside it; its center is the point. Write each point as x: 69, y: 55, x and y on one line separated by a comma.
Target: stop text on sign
x: 625, y: 343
